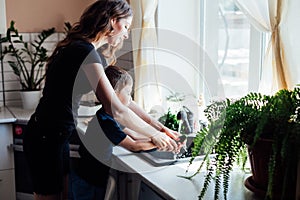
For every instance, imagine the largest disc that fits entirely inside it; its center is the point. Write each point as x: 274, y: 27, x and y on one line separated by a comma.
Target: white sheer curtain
x: 144, y: 40
x: 267, y: 16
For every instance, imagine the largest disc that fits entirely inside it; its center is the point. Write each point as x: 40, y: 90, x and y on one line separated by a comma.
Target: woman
x: 49, y: 128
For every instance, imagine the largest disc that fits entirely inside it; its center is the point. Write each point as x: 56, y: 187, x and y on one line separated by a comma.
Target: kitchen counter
x: 21, y: 115
x: 6, y: 116
x: 166, y: 182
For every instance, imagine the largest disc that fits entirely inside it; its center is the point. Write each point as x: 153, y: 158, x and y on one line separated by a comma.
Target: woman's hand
x: 164, y: 142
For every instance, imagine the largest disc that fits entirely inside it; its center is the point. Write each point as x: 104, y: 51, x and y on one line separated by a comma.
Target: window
x: 233, y: 49
x: 205, y: 48
x: 240, y: 47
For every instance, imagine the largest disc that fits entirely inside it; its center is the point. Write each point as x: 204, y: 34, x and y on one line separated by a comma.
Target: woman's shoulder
x: 81, y: 44
x: 82, y: 51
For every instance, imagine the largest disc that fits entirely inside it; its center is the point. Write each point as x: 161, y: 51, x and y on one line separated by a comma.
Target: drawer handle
x: 1, y: 180
x: 10, y: 147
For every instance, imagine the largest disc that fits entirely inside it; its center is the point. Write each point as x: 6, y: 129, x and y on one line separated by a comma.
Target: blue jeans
x: 79, y: 189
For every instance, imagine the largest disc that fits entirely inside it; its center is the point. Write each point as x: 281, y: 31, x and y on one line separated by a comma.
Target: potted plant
x: 27, y: 59
x: 249, y: 123
x: 170, y: 120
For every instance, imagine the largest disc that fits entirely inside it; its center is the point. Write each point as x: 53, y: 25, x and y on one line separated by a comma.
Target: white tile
x: 61, y: 36
x: 53, y: 38
x: 26, y: 36
x: 13, y: 85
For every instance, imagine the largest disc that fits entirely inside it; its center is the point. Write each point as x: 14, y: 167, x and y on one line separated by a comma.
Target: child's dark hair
x: 118, y: 77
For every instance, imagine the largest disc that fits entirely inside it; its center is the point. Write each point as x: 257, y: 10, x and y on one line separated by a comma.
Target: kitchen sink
x: 161, y: 158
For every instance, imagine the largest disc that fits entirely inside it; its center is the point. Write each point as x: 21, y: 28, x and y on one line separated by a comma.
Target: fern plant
x: 234, y: 125
x: 27, y: 59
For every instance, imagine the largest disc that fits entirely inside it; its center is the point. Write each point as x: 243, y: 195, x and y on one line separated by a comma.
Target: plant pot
x: 259, y: 157
x: 30, y: 99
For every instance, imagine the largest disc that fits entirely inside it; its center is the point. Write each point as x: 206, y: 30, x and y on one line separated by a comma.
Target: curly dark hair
x: 95, y: 23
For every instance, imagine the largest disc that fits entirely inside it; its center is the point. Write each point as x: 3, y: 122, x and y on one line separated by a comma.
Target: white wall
x: 180, y: 16
x: 178, y: 51
x: 196, y: 47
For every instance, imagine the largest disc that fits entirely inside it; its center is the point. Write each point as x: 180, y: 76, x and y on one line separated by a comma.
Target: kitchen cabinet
x: 128, y: 185
x: 146, y: 193
x: 6, y: 148
x: 7, y: 184
x: 7, y: 177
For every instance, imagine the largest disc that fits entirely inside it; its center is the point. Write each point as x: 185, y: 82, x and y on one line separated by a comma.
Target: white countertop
x: 165, y: 181
x: 22, y: 116
x: 6, y: 116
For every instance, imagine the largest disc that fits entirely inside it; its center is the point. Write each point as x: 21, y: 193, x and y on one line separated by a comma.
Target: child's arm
x: 136, y: 145
x: 112, y: 130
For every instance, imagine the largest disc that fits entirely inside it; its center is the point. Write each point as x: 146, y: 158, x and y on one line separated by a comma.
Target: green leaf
x: 26, y: 58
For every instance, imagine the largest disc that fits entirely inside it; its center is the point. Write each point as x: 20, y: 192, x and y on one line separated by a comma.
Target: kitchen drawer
x: 7, y: 184
x: 147, y: 193
x: 6, y: 148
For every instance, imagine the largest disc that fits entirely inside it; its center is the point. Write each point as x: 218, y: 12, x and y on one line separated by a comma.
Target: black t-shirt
x: 96, y: 148
x: 65, y: 84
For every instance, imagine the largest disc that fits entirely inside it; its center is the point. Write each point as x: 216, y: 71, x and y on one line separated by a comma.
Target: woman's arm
x: 134, y: 135
x: 135, y: 145
x: 112, y: 105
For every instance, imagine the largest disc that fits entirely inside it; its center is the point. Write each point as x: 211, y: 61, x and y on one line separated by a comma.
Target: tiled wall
x: 11, y: 82
x: 12, y: 85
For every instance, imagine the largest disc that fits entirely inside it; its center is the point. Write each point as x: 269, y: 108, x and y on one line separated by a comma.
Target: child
x: 90, y: 173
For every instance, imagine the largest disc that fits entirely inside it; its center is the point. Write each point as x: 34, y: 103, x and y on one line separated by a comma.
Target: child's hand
x: 181, y: 142
x: 172, y: 134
